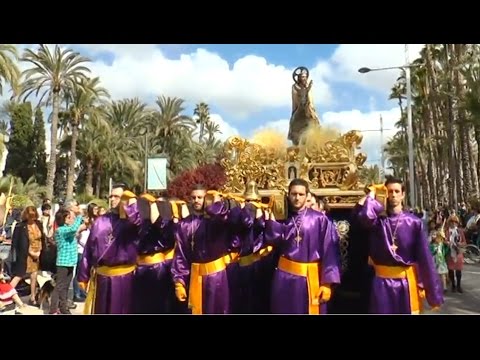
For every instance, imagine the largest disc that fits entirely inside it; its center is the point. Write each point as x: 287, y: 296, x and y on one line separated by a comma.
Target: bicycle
x: 471, y: 254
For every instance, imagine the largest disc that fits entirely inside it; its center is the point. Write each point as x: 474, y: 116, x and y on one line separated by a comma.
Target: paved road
x: 469, y: 301
x: 455, y: 303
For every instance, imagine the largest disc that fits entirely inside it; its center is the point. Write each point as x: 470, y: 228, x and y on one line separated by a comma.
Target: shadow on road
x: 469, y: 301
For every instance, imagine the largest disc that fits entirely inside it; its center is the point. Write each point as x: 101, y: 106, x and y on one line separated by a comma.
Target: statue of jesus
x: 303, y: 109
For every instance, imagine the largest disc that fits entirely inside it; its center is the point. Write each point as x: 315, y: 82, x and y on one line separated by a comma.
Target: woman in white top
x: 79, y: 295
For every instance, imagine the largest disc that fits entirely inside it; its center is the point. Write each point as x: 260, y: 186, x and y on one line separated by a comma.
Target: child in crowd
x: 439, y: 249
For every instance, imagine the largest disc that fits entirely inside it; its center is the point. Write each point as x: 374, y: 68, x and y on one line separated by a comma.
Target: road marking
x: 471, y: 272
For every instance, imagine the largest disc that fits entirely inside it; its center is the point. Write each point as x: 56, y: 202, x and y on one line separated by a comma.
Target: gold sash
x: 155, y: 258
x: 311, y: 272
x: 197, y: 272
x: 252, y: 258
x: 402, y: 272
x: 109, y: 271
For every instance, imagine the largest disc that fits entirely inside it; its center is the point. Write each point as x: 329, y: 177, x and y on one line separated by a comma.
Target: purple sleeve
x: 259, y: 223
x: 246, y: 218
x: 368, y: 213
x: 218, y: 210
x: 180, y: 265
x: 274, y: 232
x: 426, y: 269
x: 330, y: 252
x: 133, y: 214
x: 86, y: 262
x: 161, y: 224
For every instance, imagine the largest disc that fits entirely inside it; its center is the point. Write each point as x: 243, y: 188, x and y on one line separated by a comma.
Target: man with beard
x: 309, y: 264
x: 399, y: 254
x: 201, y: 255
x: 110, y: 255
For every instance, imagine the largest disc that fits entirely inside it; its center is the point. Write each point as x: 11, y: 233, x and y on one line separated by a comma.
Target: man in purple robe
x: 201, y: 256
x: 404, y: 268
x: 109, y: 259
x: 309, y: 262
x: 153, y: 286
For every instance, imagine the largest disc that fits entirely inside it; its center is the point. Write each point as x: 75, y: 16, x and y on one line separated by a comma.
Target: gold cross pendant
x: 394, y: 247
x: 298, y: 238
x: 109, y: 238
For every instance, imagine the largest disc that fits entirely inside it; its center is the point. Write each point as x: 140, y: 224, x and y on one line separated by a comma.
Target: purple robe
x: 211, y: 240
x: 319, y: 243
x: 250, y: 284
x: 392, y: 296
x: 154, y: 292
x: 114, y: 294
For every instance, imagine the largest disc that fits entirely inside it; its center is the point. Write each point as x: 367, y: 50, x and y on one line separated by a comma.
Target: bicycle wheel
x: 471, y: 254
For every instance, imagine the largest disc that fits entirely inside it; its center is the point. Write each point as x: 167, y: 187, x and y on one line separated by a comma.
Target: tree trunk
x: 73, y: 160
x: 52, y: 161
x: 477, y: 139
x: 423, y: 183
x: 89, y: 178
x: 473, y: 166
x: 98, y: 183
x: 453, y: 173
x: 463, y: 127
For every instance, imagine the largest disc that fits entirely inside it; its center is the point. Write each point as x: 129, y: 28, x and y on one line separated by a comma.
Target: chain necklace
x: 110, y: 236
x: 193, y: 231
x: 298, y: 238
x: 394, y: 246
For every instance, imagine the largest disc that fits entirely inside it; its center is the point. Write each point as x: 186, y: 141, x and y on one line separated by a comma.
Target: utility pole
x: 411, y: 166
x: 382, y: 152
x: 146, y: 163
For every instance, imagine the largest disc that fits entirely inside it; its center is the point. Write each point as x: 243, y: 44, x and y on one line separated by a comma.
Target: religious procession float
x: 263, y: 166
x: 330, y: 162
x: 330, y: 165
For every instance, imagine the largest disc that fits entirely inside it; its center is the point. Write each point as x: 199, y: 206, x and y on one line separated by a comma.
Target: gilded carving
x: 341, y: 199
x: 244, y: 161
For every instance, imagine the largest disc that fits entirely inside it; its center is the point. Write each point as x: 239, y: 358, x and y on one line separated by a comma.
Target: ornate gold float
x: 332, y: 171
x: 331, y: 167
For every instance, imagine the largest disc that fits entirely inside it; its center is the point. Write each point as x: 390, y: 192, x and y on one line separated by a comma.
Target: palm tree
x: 9, y: 71
x: 55, y: 74
x: 30, y: 190
x: 370, y: 175
x: 202, y: 114
x: 84, y: 97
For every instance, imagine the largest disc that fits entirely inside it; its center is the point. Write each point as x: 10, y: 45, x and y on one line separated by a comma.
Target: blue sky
x: 248, y: 86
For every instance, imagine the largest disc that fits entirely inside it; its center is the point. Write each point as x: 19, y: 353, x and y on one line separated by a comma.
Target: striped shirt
x: 66, y: 243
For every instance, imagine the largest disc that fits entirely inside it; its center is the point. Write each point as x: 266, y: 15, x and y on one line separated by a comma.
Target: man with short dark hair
x: 309, y: 261
x: 399, y: 254
x: 201, y: 255
x: 110, y: 256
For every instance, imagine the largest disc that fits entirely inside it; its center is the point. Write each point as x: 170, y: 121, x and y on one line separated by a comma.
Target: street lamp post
x: 410, y: 138
x: 382, y: 152
x: 407, y: 68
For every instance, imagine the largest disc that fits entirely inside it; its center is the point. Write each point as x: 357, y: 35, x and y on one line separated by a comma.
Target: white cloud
x: 138, y: 51
x: 249, y: 85
x: 348, y: 58
x: 226, y: 129
x: 355, y: 120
